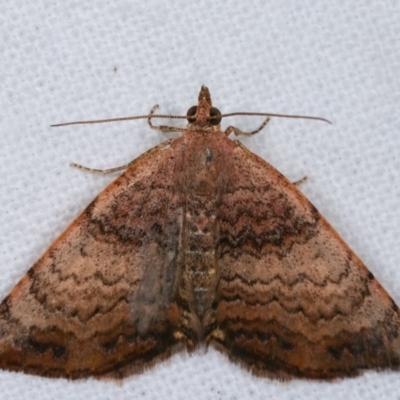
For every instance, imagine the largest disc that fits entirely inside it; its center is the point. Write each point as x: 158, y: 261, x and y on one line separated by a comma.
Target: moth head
x: 204, y: 114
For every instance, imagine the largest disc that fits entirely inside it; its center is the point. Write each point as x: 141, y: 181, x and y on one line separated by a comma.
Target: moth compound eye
x: 216, y: 114
x: 191, y: 114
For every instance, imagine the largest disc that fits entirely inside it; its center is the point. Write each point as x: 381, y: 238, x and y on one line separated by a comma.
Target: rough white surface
x: 70, y: 60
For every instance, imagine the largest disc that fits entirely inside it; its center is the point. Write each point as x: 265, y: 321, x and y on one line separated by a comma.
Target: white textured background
x: 69, y: 60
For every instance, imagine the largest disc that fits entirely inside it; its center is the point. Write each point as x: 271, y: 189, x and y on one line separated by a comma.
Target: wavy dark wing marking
x: 101, y: 300
x: 293, y: 299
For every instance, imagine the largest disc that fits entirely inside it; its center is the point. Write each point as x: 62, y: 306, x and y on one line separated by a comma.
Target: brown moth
x: 199, y: 241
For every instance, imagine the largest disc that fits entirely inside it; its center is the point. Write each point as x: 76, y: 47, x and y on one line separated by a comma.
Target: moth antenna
x: 102, y: 121
x: 256, y: 114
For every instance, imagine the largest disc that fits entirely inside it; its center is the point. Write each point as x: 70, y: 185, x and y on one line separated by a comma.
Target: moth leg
x: 161, y: 146
x: 162, y: 128
x: 238, y: 132
x: 300, y: 181
x: 100, y: 171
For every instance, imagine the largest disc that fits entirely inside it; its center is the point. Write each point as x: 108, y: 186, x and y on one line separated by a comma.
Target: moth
x: 199, y: 242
